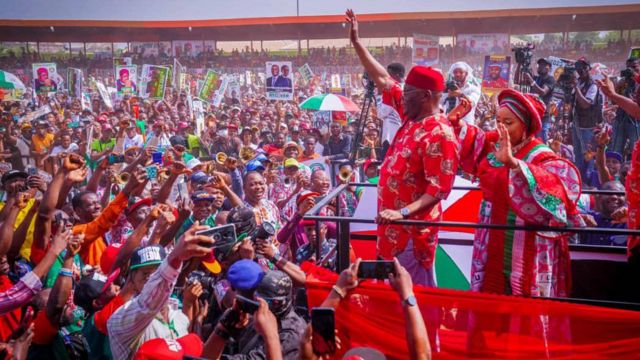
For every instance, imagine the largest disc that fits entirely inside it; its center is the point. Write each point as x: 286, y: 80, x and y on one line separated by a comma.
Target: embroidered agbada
x: 543, y: 190
x: 422, y: 159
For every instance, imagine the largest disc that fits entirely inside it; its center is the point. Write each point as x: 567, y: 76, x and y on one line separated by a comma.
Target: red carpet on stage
x: 473, y: 325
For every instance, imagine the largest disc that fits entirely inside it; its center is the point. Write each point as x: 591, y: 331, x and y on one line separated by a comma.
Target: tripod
x: 364, y: 112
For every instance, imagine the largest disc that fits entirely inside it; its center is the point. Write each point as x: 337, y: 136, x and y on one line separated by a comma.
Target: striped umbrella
x: 329, y: 102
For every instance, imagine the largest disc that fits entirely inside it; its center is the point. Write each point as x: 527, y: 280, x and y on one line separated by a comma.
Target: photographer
x: 626, y: 128
x: 543, y: 85
x: 587, y: 112
x: 461, y: 82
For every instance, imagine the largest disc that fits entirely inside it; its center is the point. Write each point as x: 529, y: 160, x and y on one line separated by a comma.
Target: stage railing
x: 344, y: 235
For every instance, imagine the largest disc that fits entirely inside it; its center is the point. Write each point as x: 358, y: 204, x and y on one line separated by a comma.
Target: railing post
x: 343, y: 246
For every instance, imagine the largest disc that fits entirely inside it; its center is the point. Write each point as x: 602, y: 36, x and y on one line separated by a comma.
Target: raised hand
x: 460, y: 111
x: 503, y: 152
x: 72, y: 161
x: 191, y: 245
x: 353, y: 22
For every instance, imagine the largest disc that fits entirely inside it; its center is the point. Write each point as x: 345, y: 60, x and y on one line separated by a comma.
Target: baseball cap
x: 13, y: 174
x: 106, y: 127
x: 109, y: 257
x: 543, y: 60
x: 291, y: 162
x: 255, y: 165
x: 209, y: 261
x: 201, y: 195
x: 193, y: 163
x: 305, y: 194
x: 178, y: 140
x: 245, y: 275
x: 182, y: 125
x: 147, y: 256
x: 90, y: 287
x: 167, y: 349
x: 200, y: 177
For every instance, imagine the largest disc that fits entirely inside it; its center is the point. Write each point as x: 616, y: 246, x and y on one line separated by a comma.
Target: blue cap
x: 261, y: 157
x: 255, y: 165
x: 245, y: 275
x: 614, y: 155
x: 200, y: 177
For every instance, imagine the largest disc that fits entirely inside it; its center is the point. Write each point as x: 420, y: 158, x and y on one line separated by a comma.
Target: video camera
x: 264, y: 231
x: 565, y: 80
x: 207, y: 282
x: 451, y: 85
x: 523, y: 55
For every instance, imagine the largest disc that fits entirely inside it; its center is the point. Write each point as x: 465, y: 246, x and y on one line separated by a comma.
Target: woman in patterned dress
x: 523, y: 183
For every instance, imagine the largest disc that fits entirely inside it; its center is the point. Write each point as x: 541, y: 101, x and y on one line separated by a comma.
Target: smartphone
x: 247, y: 305
x: 32, y: 171
x: 115, y: 159
x: 152, y: 172
x: 323, y: 324
x: 157, y: 158
x: 74, y: 124
x: 376, y: 269
x: 223, y: 236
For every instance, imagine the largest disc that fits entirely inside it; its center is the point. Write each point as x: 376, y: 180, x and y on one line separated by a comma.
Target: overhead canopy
x: 164, y: 20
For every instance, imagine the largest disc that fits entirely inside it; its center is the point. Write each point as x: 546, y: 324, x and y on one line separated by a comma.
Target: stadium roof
x: 163, y: 20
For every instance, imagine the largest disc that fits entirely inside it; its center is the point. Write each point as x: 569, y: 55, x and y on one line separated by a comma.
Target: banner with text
x: 279, y: 82
x: 426, y: 50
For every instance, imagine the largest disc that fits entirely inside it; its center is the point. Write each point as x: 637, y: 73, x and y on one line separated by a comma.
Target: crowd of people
x: 113, y: 238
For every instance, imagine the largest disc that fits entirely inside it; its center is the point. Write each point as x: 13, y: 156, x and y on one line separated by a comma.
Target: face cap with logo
x: 147, y: 256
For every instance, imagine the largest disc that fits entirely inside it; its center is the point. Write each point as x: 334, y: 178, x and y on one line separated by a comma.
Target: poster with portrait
x: 306, y: 73
x: 187, y: 48
x: 74, y: 82
x: 209, y: 45
x: 153, y: 81
x: 218, y: 95
x: 209, y: 85
x: 321, y: 121
x: 178, y: 75
x: 122, y: 61
x: 126, y: 80
x: 279, y: 81
x: 234, y: 90
x: 495, y: 76
x: 494, y: 44
x: 12, y: 87
x: 426, y: 50
x: 45, y: 77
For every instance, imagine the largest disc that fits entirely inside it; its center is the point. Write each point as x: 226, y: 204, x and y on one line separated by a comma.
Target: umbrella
x: 329, y: 102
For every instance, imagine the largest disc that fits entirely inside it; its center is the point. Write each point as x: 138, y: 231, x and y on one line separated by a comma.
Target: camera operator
x: 461, y: 82
x: 543, y: 85
x: 587, y: 112
x: 626, y: 127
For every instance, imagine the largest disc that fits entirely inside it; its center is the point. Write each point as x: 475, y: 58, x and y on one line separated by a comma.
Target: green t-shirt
x: 99, y: 146
x: 210, y: 221
x: 186, y: 157
x: 193, y: 142
x: 142, y: 126
x: 52, y: 275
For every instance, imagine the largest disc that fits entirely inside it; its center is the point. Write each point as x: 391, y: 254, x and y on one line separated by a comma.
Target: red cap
x: 109, y: 257
x: 426, y: 78
x: 164, y: 349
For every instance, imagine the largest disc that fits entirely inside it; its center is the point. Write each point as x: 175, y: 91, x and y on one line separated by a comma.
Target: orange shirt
x: 304, y: 157
x: 42, y: 143
x: 94, y: 243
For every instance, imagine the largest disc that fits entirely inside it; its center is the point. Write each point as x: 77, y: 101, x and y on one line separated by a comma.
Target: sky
x: 166, y: 10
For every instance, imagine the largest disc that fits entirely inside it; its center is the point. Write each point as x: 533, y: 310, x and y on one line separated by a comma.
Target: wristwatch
x: 405, y: 212
x: 410, y: 301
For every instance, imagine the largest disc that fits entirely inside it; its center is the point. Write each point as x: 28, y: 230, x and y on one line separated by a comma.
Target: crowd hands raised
x: 104, y: 209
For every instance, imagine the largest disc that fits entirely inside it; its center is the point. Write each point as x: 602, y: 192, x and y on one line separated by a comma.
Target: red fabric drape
x: 523, y: 328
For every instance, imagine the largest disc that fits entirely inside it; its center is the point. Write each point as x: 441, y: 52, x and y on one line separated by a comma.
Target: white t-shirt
x: 73, y: 147
x: 134, y: 141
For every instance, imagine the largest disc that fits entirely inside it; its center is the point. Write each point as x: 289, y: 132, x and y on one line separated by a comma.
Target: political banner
x: 306, y: 73
x: 426, y: 50
x: 153, y: 81
x: 74, y: 82
x: 198, y: 110
x: 44, y: 77
x: 234, y: 90
x: 219, y: 94
x: 43, y: 110
x: 12, y: 87
x: 336, y: 85
x: 209, y: 85
x: 322, y: 121
x: 104, y: 94
x: 145, y: 49
x: 187, y: 48
x: 209, y: 46
x: 634, y: 52
x: 318, y: 164
x: 557, y: 65
x: 279, y: 83
x: 494, y: 44
x: 178, y: 75
x: 495, y: 77
x: 126, y: 76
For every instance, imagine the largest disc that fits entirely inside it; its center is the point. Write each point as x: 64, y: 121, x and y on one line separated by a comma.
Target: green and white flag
x: 12, y: 86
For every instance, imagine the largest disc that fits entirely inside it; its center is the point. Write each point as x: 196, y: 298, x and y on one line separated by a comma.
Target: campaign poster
x: 234, y: 90
x: 279, y: 81
x: 104, y: 94
x: 74, y: 82
x: 209, y: 45
x: 145, y: 49
x: 320, y: 163
x: 218, y: 96
x: 321, y: 121
x: 493, y: 44
x: 426, y: 50
x: 126, y: 83
x: 209, y: 86
x: 12, y: 87
x: 634, y: 52
x: 495, y: 76
x: 336, y: 85
x: 178, y: 75
x: 187, y: 48
x: 306, y: 73
x: 153, y: 81
x: 557, y: 65
x: 44, y: 75
x: 198, y: 110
